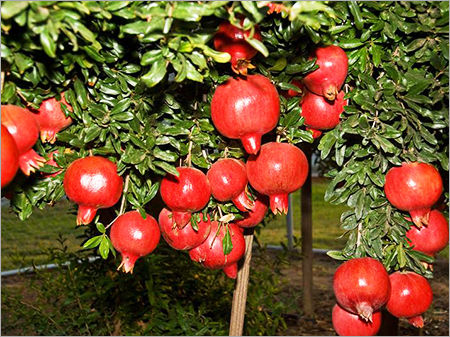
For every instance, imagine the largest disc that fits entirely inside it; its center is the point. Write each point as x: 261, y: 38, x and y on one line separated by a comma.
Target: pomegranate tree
x: 185, y: 194
x: 414, y: 187
x: 92, y: 183
x: 24, y: 128
x: 228, y: 179
x: 346, y: 323
x: 277, y: 170
x: 134, y: 237
x: 10, y: 157
x: 245, y: 109
x: 410, y: 296
x: 361, y: 286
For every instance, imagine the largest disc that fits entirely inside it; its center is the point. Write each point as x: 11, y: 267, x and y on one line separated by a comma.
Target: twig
x: 122, y: 202
x: 28, y: 104
x: 3, y: 80
x: 42, y: 313
x: 358, y: 238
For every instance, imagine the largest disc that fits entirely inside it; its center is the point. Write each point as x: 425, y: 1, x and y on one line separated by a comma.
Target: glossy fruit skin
x: 348, y: 324
x: 92, y: 183
x: 24, y: 128
x: 210, y: 252
x: 321, y: 114
x: 432, y: 238
x: 134, y: 237
x: 254, y: 217
x: 10, y: 157
x: 231, y: 40
x: 228, y: 180
x: 277, y: 170
x: 246, y: 109
x: 185, y: 238
x: 361, y: 286
x: 328, y: 79
x: 183, y: 195
x: 414, y: 187
x: 411, y: 296
x: 51, y: 118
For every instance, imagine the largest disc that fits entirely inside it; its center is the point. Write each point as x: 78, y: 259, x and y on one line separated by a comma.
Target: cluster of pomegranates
x: 362, y: 287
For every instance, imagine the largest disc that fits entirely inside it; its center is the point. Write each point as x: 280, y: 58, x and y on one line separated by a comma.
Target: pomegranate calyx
x: 420, y: 217
x: 30, y: 161
x: 330, y: 92
x: 127, y: 264
x: 240, y: 66
x: 279, y: 203
x: 85, y: 214
x: 231, y: 270
x: 251, y: 143
x: 416, y: 321
x: 181, y: 219
x: 243, y: 202
x: 364, y: 311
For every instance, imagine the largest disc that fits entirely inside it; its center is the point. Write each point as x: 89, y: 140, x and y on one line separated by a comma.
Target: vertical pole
x: 290, y: 224
x: 240, y: 291
x: 307, y: 254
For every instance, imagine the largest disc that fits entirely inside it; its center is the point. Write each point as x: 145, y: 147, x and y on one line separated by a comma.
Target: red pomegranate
x: 321, y: 114
x: 246, y: 108
x: 24, y: 128
x: 411, y: 296
x: 134, y: 237
x: 361, y: 286
x: 210, y: 252
x: 228, y: 180
x: 10, y: 157
x: 277, y: 170
x: 256, y: 215
x: 414, y: 187
x: 328, y: 79
x: 231, y: 40
x: 315, y: 133
x: 188, y: 193
x: 348, y: 324
x: 185, y: 238
x: 92, y: 183
x: 292, y: 93
x: 51, y: 118
x: 432, y: 238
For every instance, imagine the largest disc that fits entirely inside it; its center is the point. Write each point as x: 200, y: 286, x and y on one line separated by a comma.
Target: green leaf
x: 250, y: 6
x: 165, y: 155
x: 156, y: 73
x: 258, y: 45
x: 151, y: 56
x: 12, y: 8
x: 100, y: 227
x: 335, y: 254
x: 217, y: 56
x: 104, y: 247
x: 192, y: 73
x: 93, y: 242
x: 167, y: 167
x: 227, y: 245
x: 47, y: 43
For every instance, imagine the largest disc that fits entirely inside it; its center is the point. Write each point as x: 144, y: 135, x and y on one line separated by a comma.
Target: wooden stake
x: 240, y: 291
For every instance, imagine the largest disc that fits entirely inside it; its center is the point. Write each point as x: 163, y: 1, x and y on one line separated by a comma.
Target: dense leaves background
x: 140, y: 77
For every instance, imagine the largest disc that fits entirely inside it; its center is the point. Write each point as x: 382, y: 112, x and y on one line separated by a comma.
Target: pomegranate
x: 228, y: 179
x: 185, y: 238
x: 321, y: 114
x: 10, y: 157
x: 414, y: 187
x: 361, y: 286
x: 24, y: 128
x: 328, y: 79
x: 210, y: 252
x: 256, y: 215
x: 246, y: 108
x: 92, y: 183
x: 348, y: 324
x: 231, y: 39
x: 432, y: 238
x: 411, y: 296
x: 315, y: 133
x: 278, y: 170
x: 51, y: 118
x: 188, y: 193
x: 134, y: 237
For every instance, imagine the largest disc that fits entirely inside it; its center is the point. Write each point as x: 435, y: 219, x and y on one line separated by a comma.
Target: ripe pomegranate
x: 411, y: 296
x: 10, y: 157
x: 228, y: 179
x: 24, y: 128
x: 348, y: 324
x: 188, y: 193
x: 321, y: 114
x: 292, y: 93
x: 134, y: 237
x: 432, y: 238
x: 277, y: 170
x: 185, y: 238
x: 256, y: 215
x: 328, y: 79
x: 51, y: 118
x: 210, y: 252
x: 92, y: 183
x: 246, y: 108
x: 414, y: 187
x: 361, y: 286
x: 231, y: 40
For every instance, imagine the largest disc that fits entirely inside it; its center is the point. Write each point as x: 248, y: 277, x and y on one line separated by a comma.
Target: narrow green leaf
x: 156, y: 73
x: 227, y: 245
x: 92, y: 242
x: 12, y: 8
x: 47, y: 43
